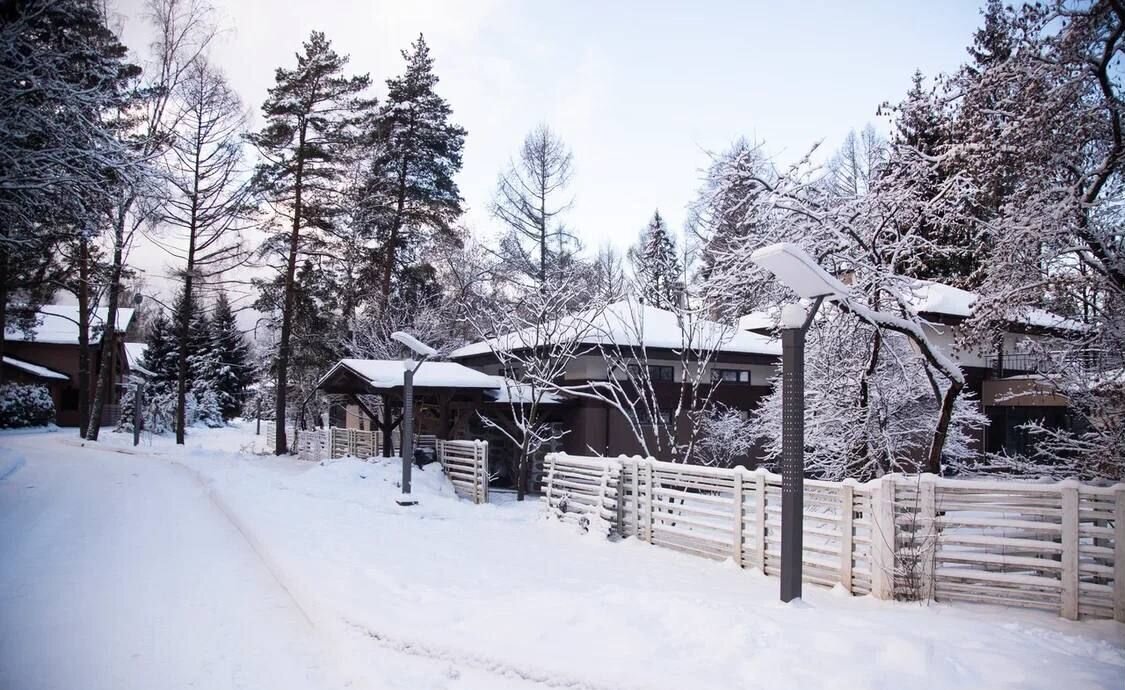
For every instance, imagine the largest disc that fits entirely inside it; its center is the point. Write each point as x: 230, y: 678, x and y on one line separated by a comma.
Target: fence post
x: 635, y: 470
x: 648, y: 499
x: 1069, y: 490
x: 847, y: 494
x: 619, y: 504
x: 484, y: 470
x: 927, y: 549
x: 1119, y: 553
x: 550, y: 458
x: 737, y: 526
x: 883, y: 538
x: 760, y: 520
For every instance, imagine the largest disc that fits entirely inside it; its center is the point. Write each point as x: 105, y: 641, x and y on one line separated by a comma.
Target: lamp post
x: 800, y: 272
x: 407, y: 448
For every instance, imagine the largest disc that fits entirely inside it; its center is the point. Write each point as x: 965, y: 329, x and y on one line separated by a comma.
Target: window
x: 730, y: 376
x: 656, y: 372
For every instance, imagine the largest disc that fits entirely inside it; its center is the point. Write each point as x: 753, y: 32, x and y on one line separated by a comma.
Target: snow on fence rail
x: 466, y: 465
x: 1058, y: 547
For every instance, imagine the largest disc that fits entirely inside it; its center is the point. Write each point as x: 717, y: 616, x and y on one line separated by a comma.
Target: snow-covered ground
x: 213, y: 567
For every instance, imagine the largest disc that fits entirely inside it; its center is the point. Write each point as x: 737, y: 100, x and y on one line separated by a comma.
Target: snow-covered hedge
x: 25, y: 405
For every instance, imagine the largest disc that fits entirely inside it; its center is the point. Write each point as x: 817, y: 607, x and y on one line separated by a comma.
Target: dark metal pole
x: 138, y: 414
x: 792, y: 460
x: 258, y: 431
x: 407, y: 445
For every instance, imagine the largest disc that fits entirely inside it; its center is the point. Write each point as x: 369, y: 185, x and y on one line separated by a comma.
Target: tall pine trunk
x: 3, y: 303
x: 280, y: 444
x: 184, y: 316
x: 83, y: 335
x: 104, y: 388
x: 400, y: 210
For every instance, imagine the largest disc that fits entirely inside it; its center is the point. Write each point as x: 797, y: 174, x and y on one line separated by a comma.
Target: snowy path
x: 214, y: 569
x: 118, y: 572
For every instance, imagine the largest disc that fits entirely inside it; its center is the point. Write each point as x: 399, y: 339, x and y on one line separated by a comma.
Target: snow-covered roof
x: 760, y: 320
x: 927, y: 296
x: 628, y: 324
x: 387, y: 373
x: 35, y: 369
x: 134, y: 355
x: 58, y: 323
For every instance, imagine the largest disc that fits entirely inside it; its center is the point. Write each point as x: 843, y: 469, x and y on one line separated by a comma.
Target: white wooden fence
x: 464, y: 462
x: 1058, y: 547
x: 466, y: 465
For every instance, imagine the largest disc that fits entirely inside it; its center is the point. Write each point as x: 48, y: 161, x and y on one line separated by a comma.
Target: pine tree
x: 312, y: 116
x: 413, y: 196
x: 656, y: 266
x: 161, y: 353
x: 61, y: 71
x: 235, y: 371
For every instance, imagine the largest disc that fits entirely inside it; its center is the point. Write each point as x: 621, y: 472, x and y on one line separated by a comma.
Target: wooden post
x: 648, y: 499
x: 1119, y: 553
x: 760, y: 520
x: 1069, y: 550
x: 736, y: 527
x: 476, y: 473
x: 847, y: 530
x: 550, y: 458
x: 883, y: 538
x: 636, y: 497
x: 927, y: 547
x: 619, y: 503
x: 483, y: 445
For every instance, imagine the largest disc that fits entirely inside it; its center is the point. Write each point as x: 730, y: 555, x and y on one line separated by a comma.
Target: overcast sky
x: 641, y: 91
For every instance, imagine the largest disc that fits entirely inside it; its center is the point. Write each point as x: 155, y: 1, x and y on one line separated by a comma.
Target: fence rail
x: 1058, y: 547
x: 464, y: 462
x: 466, y: 465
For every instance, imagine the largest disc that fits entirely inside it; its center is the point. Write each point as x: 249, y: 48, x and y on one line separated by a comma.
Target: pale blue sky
x: 641, y: 91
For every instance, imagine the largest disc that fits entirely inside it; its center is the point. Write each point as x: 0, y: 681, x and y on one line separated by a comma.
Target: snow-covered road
x: 214, y: 568
x: 120, y: 572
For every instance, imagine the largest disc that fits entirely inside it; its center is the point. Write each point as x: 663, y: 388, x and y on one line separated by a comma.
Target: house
x: 737, y: 365
x: 452, y: 397
x: 1005, y: 375
x: 48, y: 355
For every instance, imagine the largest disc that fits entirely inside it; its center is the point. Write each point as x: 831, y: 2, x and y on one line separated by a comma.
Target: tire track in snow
x: 479, y: 662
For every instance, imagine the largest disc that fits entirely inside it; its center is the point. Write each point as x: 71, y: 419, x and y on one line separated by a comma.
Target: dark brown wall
x: 63, y: 358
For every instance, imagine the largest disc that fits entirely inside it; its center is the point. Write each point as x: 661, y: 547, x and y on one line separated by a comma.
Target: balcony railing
x: 1053, y: 363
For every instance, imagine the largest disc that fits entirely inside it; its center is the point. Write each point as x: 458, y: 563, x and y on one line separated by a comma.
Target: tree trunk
x: 945, y: 417
x: 3, y: 304
x: 185, y: 308
x: 83, y: 336
x: 109, y: 333
x: 183, y: 327
x: 400, y: 209
x: 280, y: 447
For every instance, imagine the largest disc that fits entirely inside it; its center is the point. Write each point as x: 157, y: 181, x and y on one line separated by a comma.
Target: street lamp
x: 800, y: 272
x: 409, y: 368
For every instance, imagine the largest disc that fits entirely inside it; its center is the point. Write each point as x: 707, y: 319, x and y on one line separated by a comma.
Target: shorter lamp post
x: 407, y: 446
x: 800, y: 272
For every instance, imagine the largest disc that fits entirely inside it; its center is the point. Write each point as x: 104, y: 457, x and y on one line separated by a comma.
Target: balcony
x: 1087, y: 361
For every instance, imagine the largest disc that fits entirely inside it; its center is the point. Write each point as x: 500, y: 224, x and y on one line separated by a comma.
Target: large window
x: 656, y: 372
x: 730, y: 376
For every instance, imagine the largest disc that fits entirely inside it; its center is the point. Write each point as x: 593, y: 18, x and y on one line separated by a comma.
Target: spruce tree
x: 411, y: 177
x: 161, y: 353
x: 235, y: 371
x: 656, y: 266
x: 312, y: 116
